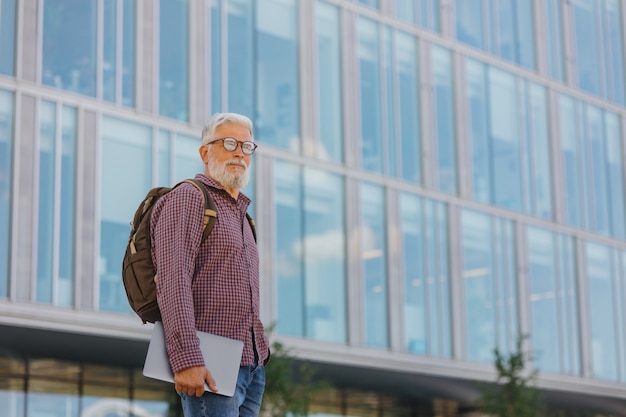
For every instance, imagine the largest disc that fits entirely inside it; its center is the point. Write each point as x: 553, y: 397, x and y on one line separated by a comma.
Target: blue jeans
x: 245, y: 403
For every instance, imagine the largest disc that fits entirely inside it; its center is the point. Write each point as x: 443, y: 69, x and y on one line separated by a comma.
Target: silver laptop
x: 222, y: 357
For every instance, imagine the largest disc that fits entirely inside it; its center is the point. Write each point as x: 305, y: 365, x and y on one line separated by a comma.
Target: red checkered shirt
x: 213, y: 287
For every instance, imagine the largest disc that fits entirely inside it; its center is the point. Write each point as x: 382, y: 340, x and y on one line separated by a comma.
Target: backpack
x: 138, y: 272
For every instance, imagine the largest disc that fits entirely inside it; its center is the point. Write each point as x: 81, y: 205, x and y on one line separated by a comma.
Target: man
x: 213, y: 286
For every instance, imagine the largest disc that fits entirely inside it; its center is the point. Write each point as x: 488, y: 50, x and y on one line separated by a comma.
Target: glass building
x: 434, y: 179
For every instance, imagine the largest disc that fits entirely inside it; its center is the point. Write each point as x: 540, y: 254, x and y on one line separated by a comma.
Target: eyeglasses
x: 230, y: 144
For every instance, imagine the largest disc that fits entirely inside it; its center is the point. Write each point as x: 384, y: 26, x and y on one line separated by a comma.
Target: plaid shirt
x: 213, y: 287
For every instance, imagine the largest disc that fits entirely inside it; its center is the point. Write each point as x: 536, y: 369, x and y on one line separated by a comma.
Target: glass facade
x: 433, y: 178
x: 6, y: 164
x: 7, y: 37
x: 57, y: 199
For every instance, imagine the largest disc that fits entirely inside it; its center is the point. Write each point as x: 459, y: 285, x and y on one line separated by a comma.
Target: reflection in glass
x: 288, y: 207
x: 505, y: 140
x: 554, y: 302
x: 216, y: 56
x: 408, y: 110
x: 495, y: 136
x: 188, y: 162
x: 586, y: 43
x: 164, y: 160
x: 444, y: 119
x: 554, y: 27
x: 240, y: 72
x: 516, y: 42
x: 544, y: 300
x: 490, y: 287
x: 427, y: 325
x: 614, y: 51
x: 174, y: 59
x: 277, y: 114
x: 538, y: 166
x: 128, y: 53
x: 7, y: 37
x: 368, y: 54
x: 374, y: 264
x: 469, y: 22
x: 571, y: 154
x: 601, y: 292
x: 405, y: 10
x: 55, y: 239
x: 118, y: 52
x: 6, y: 167
x: 324, y: 254
x: 478, y: 105
x: 597, y: 183
x: 615, y: 174
x: 45, y: 225
x: 72, y: 69
x: 46, y: 396
x: 310, y: 253
x: 330, y: 125
x: 389, y: 104
x: 126, y: 161
x: 109, y: 55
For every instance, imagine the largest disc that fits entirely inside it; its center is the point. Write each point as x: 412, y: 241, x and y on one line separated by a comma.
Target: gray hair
x: 219, y: 119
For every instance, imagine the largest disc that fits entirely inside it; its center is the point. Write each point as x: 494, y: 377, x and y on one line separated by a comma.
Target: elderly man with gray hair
x: 212, y: 286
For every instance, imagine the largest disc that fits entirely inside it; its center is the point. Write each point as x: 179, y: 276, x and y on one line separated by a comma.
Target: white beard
x: 227, y: 179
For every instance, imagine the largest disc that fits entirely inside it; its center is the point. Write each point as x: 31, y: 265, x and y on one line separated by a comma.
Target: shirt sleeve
x: 176, y: 237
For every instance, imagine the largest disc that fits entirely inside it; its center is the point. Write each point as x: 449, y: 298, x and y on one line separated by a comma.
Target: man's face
x: 226, y: 166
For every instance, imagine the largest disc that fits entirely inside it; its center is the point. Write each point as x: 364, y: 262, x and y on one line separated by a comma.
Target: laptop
x: 222, y: 357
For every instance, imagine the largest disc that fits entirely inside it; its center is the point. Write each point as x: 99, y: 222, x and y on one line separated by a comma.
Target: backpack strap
x: 251, y: 221
x: 210, y: 211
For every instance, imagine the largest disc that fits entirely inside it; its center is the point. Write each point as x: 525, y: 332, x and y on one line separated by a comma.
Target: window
x: 427, y: 324
x: 368, y: 53
x: 598, y: 43
x: 188, y: 162
x: 572, y: 153
x: 310, y: 254
x: 501, y: 27
x: 216, y: 55
x: 174, y: 59
x: 407, y: 139
x: 240, y: 58
x: 6, y: 174
x: 70, y: 68
x: 592, y: 167
x: 444, y: 120
x: 126, y: 161
x: 554, y: 28
x: 277, y: 113
x: 118, y: 75
x: 7, y: 37
x: 490, y: 285
x: 537, y: 159
x: 553, y: 302
x: 330, y: 124
x: 602, y: 293
x: 373, y: 240
x: 496, y: 137
x: 55, y: 238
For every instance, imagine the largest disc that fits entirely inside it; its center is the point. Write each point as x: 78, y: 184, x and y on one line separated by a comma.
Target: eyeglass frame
x: 238, y: 144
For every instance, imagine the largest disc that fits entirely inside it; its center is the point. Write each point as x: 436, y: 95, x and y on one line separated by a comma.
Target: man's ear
x: 204, y: 153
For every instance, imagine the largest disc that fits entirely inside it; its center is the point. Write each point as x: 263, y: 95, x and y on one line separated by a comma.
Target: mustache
x: 236, y: 161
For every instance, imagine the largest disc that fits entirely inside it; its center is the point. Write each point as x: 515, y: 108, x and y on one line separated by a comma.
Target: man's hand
x: 191, y: 381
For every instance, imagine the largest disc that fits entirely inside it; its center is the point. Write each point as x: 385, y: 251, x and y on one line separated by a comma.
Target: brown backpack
x: 138, y: 271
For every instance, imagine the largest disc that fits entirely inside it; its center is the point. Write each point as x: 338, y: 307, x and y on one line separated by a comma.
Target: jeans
x: 245, y: 403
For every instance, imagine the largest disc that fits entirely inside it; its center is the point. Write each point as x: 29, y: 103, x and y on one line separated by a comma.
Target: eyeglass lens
x: 247, y: 147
